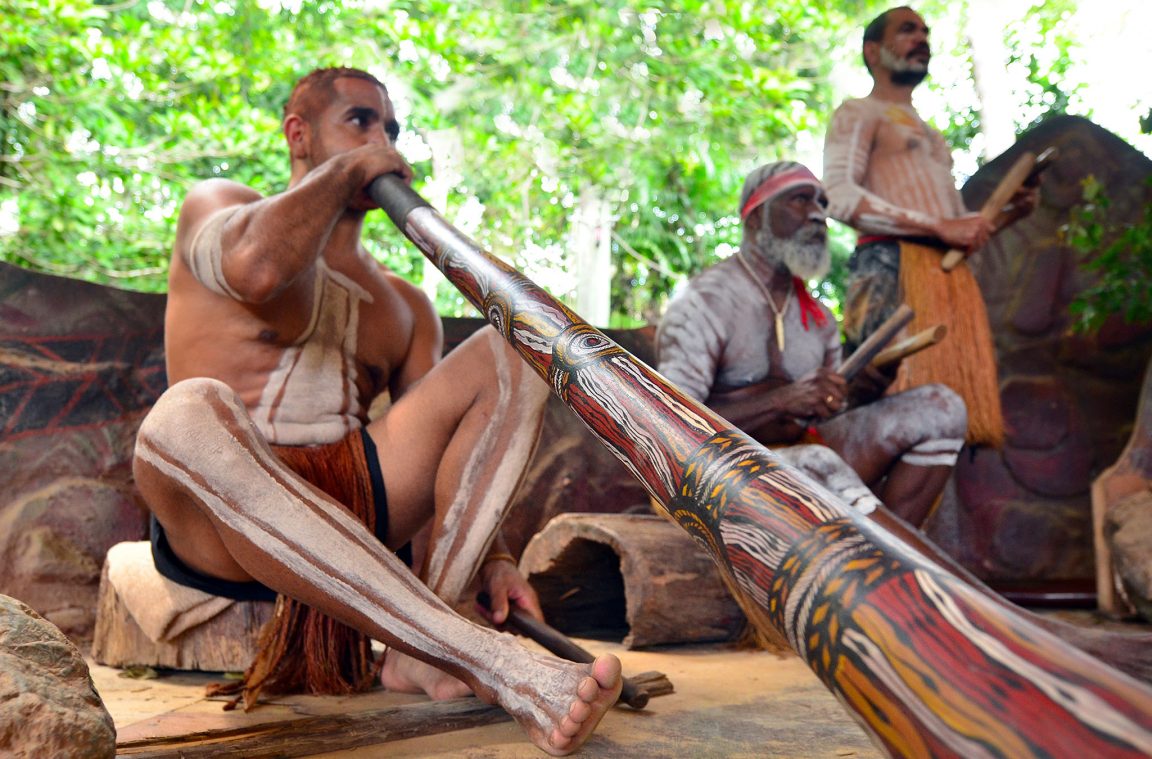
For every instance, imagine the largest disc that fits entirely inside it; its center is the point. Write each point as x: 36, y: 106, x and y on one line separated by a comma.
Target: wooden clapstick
x: 1043, y: 161
x: 1009, y: 184
x: 910, y: 345
x: 1025, y: 171
x: 875, y: 342
x: 635, y: 692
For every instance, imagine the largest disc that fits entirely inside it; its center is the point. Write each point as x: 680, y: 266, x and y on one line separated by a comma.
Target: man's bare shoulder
x: 222, y: 189
x: 211, y: 195
x: 417, y: 301
x: 856, y: 109
x: 206, y: 198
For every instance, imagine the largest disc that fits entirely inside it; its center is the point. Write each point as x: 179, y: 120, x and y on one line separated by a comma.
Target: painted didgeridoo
x: 926, y: 664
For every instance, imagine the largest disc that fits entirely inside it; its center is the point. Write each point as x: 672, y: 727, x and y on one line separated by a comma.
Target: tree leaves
x: 1119, y: 258
x: 111, y: 111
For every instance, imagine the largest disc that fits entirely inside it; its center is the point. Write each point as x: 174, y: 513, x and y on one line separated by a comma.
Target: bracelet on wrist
x: 501, y: 556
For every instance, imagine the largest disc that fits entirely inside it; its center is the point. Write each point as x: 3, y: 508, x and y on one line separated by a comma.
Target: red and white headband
x: 774, y: 185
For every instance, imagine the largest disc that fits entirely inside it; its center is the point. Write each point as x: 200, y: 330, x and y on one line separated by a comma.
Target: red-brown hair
x: 312, y: 94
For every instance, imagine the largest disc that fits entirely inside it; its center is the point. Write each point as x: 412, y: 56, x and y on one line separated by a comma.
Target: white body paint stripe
x: 206, y: 256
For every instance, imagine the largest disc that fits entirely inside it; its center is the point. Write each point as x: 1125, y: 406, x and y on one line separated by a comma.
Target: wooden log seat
x: 144, y: 619
x: 634, y: 578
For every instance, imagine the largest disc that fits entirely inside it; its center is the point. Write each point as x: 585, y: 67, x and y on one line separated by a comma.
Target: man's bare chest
x: 328, y: 374
x: 362, y: 322
x: 901, y: 135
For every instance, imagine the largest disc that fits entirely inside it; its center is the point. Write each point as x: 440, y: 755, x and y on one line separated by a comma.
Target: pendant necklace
x: 778, y: 312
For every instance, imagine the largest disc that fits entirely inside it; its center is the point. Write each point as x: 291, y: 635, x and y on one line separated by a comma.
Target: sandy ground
x: 727, y: 703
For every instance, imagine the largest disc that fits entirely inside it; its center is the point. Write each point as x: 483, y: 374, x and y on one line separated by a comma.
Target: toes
x: 606, y: 670
x: 569, y: 728
x: 579, y: 711
x: 559, y: 739
x: 588, y: 689
x: 595, y: 694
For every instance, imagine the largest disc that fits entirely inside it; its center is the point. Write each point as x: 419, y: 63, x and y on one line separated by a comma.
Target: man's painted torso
x: 717, y: 334
x: 885, y: 167
x: 307, y: 366
x: 312, y: 395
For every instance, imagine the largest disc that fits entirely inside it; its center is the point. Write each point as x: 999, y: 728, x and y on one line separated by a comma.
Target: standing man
x: 748, y: 340
x: 264, y: 472
x: 889, y: 175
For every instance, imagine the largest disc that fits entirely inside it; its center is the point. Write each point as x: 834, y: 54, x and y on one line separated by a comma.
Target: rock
x: 1048, y: 423
x: 48, y: 704
x: 1128, y: 525
x: 80, y: 365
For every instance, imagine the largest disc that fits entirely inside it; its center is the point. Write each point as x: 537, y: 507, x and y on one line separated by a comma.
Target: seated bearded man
x: 747, y: 339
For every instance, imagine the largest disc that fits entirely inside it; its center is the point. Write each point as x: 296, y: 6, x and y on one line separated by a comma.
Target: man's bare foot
x: 598, y: 693
x: 559, y: 724
x: 403, y: 674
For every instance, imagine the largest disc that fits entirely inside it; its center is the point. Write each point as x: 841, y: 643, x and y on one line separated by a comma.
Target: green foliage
x: 1044, y: 44
x: 958, y: 115
x: 110, y: 111
x: 1121, y: 259
x: 662, y: 113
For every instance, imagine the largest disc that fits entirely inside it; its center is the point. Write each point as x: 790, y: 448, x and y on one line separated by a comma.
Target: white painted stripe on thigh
x: 939, y: 445
x: 935, y: 459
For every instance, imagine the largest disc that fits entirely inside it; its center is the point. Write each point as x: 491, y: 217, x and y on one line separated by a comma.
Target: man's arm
x: 690, y: 343
x: 776, y: 413
x: 690, y: 346
x: 1023, y: 203
x: 870, y: 384
x: 851, y: 139
x: 501, y: 578
x: 426, y: 346
x: 251, y: 248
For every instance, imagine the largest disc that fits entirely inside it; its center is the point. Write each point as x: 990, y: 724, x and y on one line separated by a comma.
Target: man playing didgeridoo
x: 264, y: 473
x: 889, y: 175
x: 747, y: 339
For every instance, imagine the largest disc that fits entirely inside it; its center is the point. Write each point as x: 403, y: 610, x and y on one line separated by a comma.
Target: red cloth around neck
x: 808, y: 304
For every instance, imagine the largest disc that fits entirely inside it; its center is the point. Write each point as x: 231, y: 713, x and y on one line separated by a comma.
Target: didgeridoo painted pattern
x: 925, y: 663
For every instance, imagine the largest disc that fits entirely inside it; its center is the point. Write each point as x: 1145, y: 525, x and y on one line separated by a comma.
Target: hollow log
x: 634, y: 578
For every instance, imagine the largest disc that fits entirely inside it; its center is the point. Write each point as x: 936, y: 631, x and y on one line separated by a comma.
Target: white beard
x: 805, y: 254
x: 901, y: 65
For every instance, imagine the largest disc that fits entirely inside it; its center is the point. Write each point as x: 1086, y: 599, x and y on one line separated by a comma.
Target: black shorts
x: 169, y: 564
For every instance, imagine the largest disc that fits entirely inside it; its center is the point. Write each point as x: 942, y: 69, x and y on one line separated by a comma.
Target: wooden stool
x: 633, y: 578
x: 224, y: 643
